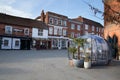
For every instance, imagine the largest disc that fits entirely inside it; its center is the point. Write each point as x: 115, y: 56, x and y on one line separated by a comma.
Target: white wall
x: 35, y: 33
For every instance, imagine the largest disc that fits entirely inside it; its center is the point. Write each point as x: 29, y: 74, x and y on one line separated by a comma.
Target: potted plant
x: 87, y: 61
x: 73, y: 51
x: 79, y: 61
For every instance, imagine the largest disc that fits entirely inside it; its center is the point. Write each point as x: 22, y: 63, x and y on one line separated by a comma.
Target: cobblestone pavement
x: 50, y: 65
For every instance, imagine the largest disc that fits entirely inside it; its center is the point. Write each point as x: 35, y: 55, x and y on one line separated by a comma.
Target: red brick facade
x: 112, y: 30
x: 16, y: 32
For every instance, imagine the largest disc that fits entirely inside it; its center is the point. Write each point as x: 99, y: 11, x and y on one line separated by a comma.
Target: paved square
x: 50, y: 65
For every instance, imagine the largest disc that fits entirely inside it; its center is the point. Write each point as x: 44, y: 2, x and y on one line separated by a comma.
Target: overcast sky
x: 70, y: 8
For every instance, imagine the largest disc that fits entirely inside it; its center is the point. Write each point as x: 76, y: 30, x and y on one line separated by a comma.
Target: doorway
x: 25, y: 44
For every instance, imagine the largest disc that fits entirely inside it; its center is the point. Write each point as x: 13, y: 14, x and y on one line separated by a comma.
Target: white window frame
x: 86, y: 26
x: 65, y: 23
x: 50, y: 30
x: 97, y: 29
x: 72, y: 26
x: 40, y: 32
x: 64, y: 32
x: 93, y: 28
x: 60, y: 22
x: 55, y: 30
x: 72, y: 34
x: 78, y: 27
x: 56, y: 21
x: 60, y: 31
x: 26, y: 29
x: 8, y: 29
x: 78, y: 35
x: 51, y: 20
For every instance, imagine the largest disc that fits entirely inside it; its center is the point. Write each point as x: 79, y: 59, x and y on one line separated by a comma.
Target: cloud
x: 7, y: 2
x: 12, y: 11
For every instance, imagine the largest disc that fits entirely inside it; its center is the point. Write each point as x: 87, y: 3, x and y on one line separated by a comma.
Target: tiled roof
x: 13, y: 20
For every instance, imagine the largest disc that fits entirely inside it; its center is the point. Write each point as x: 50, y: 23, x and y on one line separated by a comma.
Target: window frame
x: 86, y: 26
x: 26, y: 29
x: 8, y: 29
x: 50, y: 30
x: 40, y: 32
x: 72, y: 26
x: 78, y: 27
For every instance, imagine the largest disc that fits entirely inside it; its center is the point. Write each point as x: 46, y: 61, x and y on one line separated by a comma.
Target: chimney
x: 42, y: 16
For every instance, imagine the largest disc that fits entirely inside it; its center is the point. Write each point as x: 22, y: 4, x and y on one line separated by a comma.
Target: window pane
x: 17, y: 43
x: 78, y: 27
x: 72, y: 26
x: 6, y: 42
x: 50, y: 30
x: 8, y: 29
x: 26, y: 31
x: 51, y: 20
x: 40, y: 32
x: 86, y: 26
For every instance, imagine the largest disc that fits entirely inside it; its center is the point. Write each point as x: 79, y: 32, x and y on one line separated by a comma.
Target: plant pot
x: 119, y: 57
x: 87, y: 65
x: 78, y: 63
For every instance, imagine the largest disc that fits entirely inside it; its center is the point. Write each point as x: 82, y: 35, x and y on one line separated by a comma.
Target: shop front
x: 15, y: 43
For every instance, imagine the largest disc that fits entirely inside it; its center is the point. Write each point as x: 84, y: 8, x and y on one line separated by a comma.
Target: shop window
x: 8, y: 29
x: 26, y: 31
x: 17, y: 43
x: 63, y: 43
x: 6, y: 42
x: 55, y: 43
x: 40, y: 32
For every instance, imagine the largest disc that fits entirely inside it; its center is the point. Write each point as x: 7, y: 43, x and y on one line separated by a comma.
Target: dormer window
x: 8, y: 29
x: 26, y: 31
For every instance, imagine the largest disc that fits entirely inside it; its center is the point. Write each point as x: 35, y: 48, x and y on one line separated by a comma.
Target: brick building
x: 112, y: 30
x: 16, y: 32
x: 57, y: 29
x: 61, y: 28
x: 90, y: 27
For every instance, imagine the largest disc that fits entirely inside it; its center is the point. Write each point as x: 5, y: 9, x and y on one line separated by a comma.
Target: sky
x: 70, y: 8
